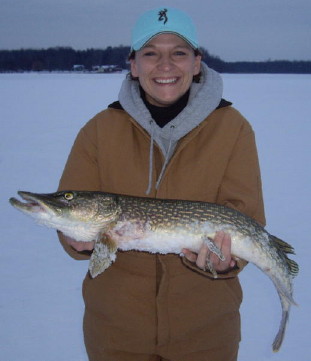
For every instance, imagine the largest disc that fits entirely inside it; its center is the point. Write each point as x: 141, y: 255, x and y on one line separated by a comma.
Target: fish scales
x: 163, y: 226
x: 169, y: 214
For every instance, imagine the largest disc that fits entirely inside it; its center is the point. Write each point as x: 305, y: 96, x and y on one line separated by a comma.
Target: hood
x: 204, y: 98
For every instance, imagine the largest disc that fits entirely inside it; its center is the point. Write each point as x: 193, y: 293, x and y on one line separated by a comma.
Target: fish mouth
x: 33, y: 204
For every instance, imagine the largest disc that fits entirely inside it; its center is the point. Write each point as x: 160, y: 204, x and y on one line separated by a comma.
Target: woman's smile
x: 165, y: 81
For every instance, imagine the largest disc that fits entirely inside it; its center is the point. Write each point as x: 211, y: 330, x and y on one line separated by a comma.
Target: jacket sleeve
x: 81, y: 173
x: 81, y: 169
x: 241, y: 187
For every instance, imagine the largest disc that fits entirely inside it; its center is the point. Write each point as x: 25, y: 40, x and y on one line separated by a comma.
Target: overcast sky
x: 231, y: 29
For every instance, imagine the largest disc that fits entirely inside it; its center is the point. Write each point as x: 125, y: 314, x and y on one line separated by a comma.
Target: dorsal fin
x: 283, y: 246
x: 286, y: 248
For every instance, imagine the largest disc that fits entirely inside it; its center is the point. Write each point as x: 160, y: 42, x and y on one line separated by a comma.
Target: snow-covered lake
x: 41, y: 305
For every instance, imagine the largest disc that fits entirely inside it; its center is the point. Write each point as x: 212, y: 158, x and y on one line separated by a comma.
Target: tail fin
x: 277, y: 343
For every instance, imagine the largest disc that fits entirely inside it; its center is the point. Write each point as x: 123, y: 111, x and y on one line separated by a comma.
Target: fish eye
x: 68, y: 196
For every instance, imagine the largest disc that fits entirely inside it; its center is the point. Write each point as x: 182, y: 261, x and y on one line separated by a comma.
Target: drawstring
x: 150, y: 157
x: 167, y: 157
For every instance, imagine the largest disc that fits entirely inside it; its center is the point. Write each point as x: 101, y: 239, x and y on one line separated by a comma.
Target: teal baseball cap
x: 163, y: 20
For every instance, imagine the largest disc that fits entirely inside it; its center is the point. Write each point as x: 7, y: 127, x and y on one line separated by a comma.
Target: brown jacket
x: 156, y: 303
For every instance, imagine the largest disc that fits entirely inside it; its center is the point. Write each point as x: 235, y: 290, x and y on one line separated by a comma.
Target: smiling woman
x: 170, y: 135
x: 165, y: 67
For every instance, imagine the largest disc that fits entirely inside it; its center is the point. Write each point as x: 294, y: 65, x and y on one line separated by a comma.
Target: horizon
x: 119, y: 46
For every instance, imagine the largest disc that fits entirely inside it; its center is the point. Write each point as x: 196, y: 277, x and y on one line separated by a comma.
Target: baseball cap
x: 163, y: 20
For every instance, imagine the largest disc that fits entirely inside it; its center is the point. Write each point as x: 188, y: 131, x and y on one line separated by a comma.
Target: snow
x: 41, y: 305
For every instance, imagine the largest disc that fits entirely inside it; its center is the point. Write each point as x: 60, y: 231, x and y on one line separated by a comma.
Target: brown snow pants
x: 153, y: 308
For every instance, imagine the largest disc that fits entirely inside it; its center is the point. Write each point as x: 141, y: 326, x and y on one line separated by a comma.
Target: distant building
x: 78, y: 67
x: 106, y: 68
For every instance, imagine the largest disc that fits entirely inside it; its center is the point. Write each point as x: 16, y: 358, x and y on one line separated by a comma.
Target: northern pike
x: 162, y: 226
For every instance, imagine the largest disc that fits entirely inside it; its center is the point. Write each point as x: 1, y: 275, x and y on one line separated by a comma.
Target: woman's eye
x: 180, y: 53
x: 149, y: 53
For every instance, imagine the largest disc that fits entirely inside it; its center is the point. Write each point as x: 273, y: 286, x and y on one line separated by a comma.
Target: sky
x: 234, y: 30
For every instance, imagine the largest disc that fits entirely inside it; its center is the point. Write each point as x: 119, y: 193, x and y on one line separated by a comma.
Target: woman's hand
x: 223, y: 241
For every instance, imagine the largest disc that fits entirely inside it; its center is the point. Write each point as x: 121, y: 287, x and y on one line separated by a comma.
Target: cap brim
x: 142, y: 42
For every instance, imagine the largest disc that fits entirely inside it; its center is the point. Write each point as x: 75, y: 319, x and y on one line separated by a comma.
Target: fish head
x: 78, y: 214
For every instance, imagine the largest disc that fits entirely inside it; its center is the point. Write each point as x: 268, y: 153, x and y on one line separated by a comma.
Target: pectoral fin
x: 213, y: 249
x: 210, y: 267
x: 104, y: 254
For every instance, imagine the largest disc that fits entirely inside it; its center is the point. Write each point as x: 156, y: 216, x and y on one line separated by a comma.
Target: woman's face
x: 165, y: 67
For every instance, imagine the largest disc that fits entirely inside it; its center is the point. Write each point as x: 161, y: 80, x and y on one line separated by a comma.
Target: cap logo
x: 163, y: 16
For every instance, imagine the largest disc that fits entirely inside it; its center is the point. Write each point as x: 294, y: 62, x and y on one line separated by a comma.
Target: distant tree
x: 64, y: 58
x: 213, y: 62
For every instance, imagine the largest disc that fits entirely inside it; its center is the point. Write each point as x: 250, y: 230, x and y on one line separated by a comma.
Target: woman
x: 170, y: 135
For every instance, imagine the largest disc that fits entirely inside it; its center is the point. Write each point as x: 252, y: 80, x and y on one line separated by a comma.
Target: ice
x: 41, y: 305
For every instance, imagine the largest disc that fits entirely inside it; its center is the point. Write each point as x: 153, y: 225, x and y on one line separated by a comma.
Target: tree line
x: 64, y: 59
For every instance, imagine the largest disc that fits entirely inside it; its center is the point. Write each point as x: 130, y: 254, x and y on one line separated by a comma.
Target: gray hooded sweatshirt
x: 204, y: 98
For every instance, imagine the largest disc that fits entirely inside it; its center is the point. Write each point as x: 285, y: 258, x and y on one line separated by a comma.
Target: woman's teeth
x: 166, y: 81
